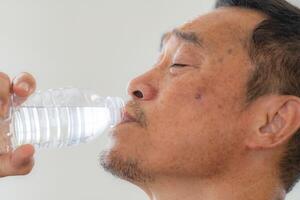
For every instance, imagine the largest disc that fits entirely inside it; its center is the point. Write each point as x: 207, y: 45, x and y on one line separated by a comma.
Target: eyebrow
x: 190, y: 37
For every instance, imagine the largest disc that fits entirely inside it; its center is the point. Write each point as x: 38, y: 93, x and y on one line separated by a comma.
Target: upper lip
x: 127, y: 117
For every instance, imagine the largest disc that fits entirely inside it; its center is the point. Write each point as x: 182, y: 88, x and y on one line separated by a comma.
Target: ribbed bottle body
x: 60, y: 117
x: 58, y: 126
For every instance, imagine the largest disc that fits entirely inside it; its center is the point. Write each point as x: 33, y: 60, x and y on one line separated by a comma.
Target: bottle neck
x: 115, y: 106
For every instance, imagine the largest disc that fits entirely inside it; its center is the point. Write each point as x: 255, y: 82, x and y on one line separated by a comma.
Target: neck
x: 254, y: 181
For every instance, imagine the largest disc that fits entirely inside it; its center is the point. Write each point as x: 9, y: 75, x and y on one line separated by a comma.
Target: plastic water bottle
x: 59, y: 117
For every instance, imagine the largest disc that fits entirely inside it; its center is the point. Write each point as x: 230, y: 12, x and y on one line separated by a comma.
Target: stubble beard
x: 128, y: 169
x: 124, y: 166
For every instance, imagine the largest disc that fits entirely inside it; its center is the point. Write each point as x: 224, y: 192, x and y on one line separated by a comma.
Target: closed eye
x: 178, y: 65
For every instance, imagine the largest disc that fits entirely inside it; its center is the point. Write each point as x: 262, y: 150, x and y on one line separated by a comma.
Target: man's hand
x: 20, y: 161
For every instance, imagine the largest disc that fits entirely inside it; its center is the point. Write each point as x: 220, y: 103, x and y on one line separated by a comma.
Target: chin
x: 123, y: 166
x: 125, y: 153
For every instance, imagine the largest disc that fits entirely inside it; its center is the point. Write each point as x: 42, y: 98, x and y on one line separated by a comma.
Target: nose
x: 141, y: 89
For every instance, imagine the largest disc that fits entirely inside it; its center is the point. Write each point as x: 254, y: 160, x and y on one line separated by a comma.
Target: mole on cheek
x: 198, y: 95
x: 229, y: 51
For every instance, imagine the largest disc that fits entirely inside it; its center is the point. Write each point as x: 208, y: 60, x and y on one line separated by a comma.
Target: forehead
x: 224, y: 25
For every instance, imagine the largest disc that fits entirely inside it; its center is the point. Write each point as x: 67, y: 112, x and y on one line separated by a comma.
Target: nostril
x: 138, y: 94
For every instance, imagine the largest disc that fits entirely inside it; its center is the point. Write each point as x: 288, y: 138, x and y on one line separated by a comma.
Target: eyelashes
x: 178, y: 65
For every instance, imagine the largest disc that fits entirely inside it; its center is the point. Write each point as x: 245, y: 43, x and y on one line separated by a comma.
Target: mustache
x: 137, y: 111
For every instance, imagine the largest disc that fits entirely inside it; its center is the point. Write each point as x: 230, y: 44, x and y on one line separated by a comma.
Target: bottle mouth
x: 115, y: 105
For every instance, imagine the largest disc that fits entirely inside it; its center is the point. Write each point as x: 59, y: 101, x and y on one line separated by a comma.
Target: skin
x: 20, y: 161
x: 196, y: 138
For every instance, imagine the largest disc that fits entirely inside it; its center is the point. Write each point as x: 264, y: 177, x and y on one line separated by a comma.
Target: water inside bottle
x: 58, y: 126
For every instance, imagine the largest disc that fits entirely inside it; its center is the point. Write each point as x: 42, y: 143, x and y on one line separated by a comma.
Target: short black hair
x: 274, y: 49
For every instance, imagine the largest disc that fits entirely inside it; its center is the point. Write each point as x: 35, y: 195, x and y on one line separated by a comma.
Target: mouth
x: 127, y: 118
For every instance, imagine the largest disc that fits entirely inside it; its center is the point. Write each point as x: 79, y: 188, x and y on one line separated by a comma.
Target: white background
x: 99, y: 44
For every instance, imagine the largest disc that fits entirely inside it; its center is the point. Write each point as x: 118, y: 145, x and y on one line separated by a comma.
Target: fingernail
x: 24, y: 86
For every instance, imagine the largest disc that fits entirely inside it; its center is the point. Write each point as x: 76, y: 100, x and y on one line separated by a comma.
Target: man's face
x: 190, y: 105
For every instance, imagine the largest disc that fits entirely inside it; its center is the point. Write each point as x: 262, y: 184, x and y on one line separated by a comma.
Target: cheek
x: 182, y: 94
x: 193, y: 148
x: 177, y: 111
x: 179, y: 104
x: 176, y: 117
x: 190, y: 121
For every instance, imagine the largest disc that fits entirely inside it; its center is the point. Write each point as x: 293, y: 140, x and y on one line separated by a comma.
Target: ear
x: 277, y: 118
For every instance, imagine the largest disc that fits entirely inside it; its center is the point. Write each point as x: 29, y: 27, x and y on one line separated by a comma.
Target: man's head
x: 224, y: 89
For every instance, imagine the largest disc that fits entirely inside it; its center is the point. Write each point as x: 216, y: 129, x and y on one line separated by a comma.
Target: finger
x: 22, y: 155
x: 19, y: 162
x: 23, y: 86
x: 4, y: 94
x: 25, y: 169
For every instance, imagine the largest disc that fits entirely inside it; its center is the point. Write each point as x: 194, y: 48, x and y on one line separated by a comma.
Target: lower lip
x: 122, y: 125
x: 127, y: 122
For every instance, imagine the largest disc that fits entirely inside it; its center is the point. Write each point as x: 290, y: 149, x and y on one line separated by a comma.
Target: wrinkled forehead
x: 225, y: 25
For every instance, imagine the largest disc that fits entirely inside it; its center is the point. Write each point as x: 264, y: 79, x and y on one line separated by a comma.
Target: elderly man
x: 218, y: 115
